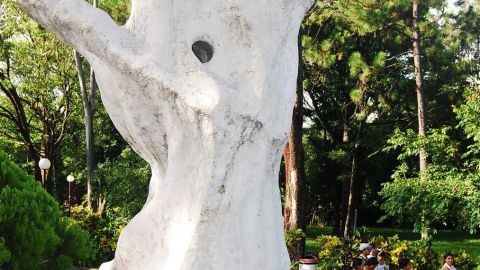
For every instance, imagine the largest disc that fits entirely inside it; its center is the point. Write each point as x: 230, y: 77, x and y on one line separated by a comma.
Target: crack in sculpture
x: 211, y: 130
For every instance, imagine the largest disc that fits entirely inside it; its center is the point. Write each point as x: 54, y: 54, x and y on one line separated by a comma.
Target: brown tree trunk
x: 346, y: 189
x: 294, y: 207
x: 418, y: 84
x: 420, y: 99
x: 352, y: 185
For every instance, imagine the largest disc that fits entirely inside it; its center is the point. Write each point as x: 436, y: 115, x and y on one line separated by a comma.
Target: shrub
x: 337, y: 253
x: 333, y: 254
x: 293, y: 238
x: 33, y: 233
x: 104, y: 229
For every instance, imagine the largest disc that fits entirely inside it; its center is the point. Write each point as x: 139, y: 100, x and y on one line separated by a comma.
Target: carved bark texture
x: 213, y: 132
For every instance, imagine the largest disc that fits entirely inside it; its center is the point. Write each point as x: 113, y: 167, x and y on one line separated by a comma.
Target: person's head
x: 357, y: 264
x: 404, y: 264
x: 381, y: 256
x: 371, y: 263
x: 448, y: 258
x: 374, y: 250
x: 365, y: 248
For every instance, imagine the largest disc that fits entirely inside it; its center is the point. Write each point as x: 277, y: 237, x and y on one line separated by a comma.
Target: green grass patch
x: 443, y: 241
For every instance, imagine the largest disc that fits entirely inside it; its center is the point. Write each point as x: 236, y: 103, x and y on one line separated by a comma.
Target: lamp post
x: 70, y: 179
x: 44, y: 164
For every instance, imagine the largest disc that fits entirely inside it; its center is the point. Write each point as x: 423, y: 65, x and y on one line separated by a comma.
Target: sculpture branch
x: 84, y: 27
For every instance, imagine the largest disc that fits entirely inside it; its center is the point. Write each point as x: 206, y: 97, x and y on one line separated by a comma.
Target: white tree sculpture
x: 203, y: 90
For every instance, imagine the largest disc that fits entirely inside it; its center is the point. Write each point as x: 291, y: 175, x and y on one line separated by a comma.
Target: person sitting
x: 371, y: 264
x: 448, y: 262
x: 357, y: 264
x: 382, y: 265
x: 364, y: 251
x: 404, y: 264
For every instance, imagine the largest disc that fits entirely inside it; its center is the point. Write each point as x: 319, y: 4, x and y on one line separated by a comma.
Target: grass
x: 444, y: 240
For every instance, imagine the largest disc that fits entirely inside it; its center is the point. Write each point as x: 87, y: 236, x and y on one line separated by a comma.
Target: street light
x: 44, y: 165
x: 70, y: 179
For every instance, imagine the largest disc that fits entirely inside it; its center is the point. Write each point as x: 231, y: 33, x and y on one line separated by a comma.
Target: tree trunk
x: 294, y: 207
x: 346, y: 173
x: 347, y: 229
x: 88, y: 100
x: 420, y: 95
x: 202, y: 94
x: 293, y: 213
x: 418, y: 85
x: 352, y: 186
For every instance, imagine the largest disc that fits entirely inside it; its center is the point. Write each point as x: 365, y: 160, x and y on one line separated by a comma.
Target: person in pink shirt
x: 448, y: 262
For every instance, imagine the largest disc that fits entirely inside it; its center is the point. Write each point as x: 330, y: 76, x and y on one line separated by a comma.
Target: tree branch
x: 3, y: 133
x: 322, y: 121
x: 9, y: 115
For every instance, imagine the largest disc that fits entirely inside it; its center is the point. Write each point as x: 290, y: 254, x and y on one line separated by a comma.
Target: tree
x: 451, y: 72
x: 353, y: 53
x: 37, y: 84
x: 33, y: 233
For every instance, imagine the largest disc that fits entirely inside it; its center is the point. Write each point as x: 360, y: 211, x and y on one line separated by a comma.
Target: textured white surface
x: 213, y: 133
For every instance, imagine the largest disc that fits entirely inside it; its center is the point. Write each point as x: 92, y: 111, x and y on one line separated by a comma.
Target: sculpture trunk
x: 213, y: 197
x: 209, y: 213
x: 203, y: 91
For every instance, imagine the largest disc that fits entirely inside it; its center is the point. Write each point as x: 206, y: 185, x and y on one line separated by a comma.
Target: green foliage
x: 424, y: 202
x: 358, y: 64
x: 33, y: 233
x: 336, y: 253
x: 356, y: 95
x: 438, y: 144
x: 468, y: 115
x: 119, y: 10
x: 5, y: 255
x: 125, y: 181
x: 104, y: 229
x: 293, y: 237
x: 443, y: 193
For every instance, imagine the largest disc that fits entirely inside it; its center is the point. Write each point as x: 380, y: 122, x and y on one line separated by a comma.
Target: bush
x: 293, y: 239
x: 104, y: 229
x: 337, y: 253
x: 33, y: 233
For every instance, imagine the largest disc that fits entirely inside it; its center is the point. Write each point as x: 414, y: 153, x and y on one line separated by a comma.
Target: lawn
x: 444, y: 240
